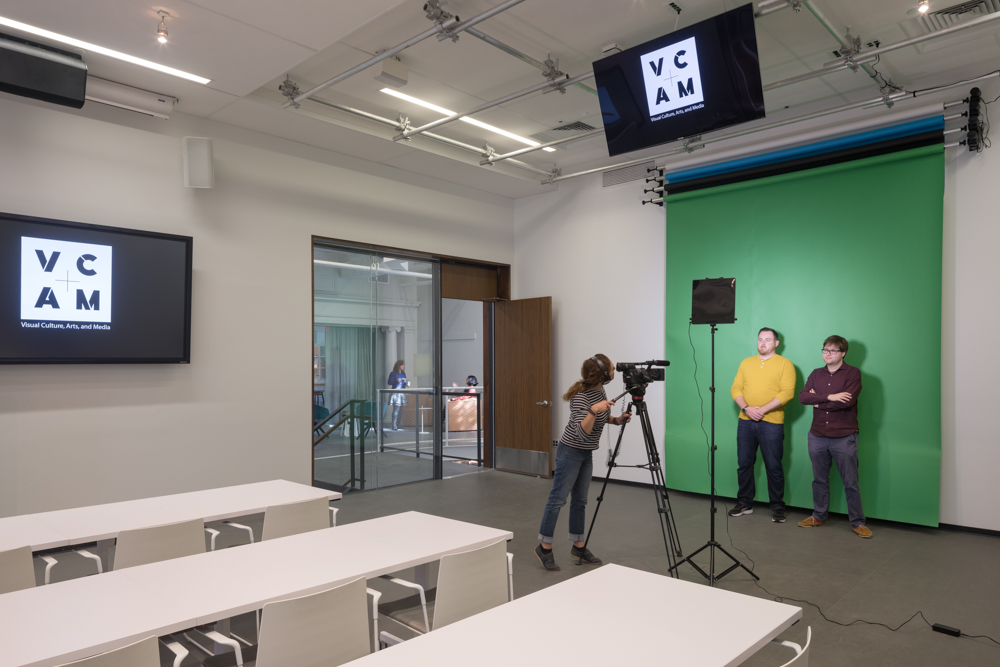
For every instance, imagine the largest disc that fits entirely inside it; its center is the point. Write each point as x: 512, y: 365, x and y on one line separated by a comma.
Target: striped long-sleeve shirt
x: 579, y: 406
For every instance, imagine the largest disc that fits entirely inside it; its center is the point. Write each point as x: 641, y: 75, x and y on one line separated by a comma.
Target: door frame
x: 503, y: 294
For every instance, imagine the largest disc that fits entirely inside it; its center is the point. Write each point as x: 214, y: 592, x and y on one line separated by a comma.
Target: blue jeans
x: 574, y: 469
x: 843, y: 452
x: 771, y: 440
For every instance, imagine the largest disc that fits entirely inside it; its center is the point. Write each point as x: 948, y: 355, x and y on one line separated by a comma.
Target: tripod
x: 712, y: 545
x: 670, y: 539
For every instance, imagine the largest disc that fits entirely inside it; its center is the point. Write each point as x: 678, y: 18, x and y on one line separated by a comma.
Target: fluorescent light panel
x: 87, y: 46
x: 471, y: 121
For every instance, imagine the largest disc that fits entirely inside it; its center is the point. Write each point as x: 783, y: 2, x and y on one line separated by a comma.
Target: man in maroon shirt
x: 833, y: 392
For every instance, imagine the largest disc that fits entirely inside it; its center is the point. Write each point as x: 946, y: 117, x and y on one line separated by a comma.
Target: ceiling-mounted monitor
x: 73, y: 293
x: 694, y: 80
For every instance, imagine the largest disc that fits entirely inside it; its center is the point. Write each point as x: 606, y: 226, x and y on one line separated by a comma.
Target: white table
x: 51, y: 625
x: 613, y: 615
x: 100, y: 523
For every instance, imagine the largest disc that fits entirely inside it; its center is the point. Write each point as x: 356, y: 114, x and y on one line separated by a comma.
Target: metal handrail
x: 325, y: 421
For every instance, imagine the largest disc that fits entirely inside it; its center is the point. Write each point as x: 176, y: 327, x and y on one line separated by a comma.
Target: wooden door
x: 522, y: 383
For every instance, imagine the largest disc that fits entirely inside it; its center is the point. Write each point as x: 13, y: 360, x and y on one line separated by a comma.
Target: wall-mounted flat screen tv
x: 694, y: 80
x: 73, y: 293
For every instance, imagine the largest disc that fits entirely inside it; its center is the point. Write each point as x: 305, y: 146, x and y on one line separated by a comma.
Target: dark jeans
x: 771, y: 440
x: 843, y: 452
x: 574, y: 469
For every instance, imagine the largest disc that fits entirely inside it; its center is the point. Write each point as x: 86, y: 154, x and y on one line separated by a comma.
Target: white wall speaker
x: 199, y: 171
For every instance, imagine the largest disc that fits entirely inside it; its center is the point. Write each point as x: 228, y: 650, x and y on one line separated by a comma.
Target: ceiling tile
x: 235, y: 56
x: 312, y: 23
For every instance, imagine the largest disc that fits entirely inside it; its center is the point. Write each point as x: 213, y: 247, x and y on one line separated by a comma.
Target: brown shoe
x: 862, y: 531
x: 811, y: 522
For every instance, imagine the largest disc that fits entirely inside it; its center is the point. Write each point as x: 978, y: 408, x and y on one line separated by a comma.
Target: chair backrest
x: 802, y: 657
x: 327, y: 628
x: 295, y: 518
x: 17, y: 571
x: 470, y: 582
x: 151, y: 545
x: 143, y: 653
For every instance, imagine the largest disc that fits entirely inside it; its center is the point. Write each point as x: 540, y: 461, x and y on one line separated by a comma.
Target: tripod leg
x: 604, y: 486
x: 671, y: 540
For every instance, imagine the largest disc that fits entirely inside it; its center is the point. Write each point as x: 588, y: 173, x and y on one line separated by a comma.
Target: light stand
x: 712, y: 544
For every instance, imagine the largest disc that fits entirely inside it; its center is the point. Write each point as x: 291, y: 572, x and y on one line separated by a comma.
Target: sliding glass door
x: 376, y: 351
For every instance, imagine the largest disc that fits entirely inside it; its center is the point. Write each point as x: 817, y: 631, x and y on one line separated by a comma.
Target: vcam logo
x: 65, y: 281
x: 672, y: 78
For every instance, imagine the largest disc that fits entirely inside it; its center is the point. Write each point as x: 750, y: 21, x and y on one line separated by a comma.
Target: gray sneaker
x: 548, y: 560
x: 584, y: 557
x: 740, y: 510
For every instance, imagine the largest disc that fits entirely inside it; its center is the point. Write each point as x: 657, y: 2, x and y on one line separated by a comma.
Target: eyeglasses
x: 826, y: 351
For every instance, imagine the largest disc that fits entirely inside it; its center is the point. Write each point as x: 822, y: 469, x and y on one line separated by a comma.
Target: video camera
x: 633, y: 375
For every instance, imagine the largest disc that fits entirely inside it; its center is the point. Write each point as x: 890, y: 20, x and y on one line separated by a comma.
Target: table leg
x: 103, y: 551
x: 223, y: 628
x: 422, y: 575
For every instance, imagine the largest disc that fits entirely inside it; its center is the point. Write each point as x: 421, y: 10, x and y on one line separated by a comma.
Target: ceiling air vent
x: 963, y: 11
x: 625, y: 174
x: 575, y: 126
x: 562, y: 132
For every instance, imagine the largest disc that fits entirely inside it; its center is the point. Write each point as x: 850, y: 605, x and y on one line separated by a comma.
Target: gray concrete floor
x: 951, y: 577
x: 398, y: 464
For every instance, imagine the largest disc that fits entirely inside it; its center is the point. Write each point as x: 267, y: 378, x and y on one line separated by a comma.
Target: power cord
x: 701, y: 403
x: 779, y: 598
x: 753, y: 565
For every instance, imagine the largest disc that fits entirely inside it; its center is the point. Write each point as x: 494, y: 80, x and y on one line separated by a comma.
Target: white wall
x: 970, y: 363
x: 462, y: 341
x: 600, y: 255
x: 241, y: 411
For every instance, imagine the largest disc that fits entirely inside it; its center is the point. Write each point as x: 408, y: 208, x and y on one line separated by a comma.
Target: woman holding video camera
x: 590, y: 410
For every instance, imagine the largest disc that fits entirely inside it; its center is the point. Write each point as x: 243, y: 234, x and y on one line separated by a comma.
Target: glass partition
x: 375, y: 369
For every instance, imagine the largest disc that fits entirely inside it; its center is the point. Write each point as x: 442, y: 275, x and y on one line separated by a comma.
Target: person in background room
x: 397, y: 380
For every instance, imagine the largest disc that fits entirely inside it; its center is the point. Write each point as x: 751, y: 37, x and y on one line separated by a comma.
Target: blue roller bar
x: 828, y: 146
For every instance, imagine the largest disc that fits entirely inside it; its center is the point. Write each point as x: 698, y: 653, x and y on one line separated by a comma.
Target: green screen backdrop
x: 852, y: 249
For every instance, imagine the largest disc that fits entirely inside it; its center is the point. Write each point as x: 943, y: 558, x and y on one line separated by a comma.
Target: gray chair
x: 468, y: 583
x: 17, y: 571
x: 155, y: 543
x: 143, y: 653
x: 142, y: 546
x: 152, y: 545
x: 801, y: 658
x: 324, y: 629
x: 293, y: 518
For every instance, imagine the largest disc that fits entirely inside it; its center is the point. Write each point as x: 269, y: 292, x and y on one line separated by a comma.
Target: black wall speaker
x: 42, y: 72
x: 713, y: 301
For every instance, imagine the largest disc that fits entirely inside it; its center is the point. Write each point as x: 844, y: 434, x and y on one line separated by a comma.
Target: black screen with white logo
x: 78, y: 293
x: 694, y: 80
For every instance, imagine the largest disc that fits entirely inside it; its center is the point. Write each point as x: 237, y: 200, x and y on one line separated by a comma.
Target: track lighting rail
x: 558, y: 83
x: 506, y: 156
x: 448, y: 28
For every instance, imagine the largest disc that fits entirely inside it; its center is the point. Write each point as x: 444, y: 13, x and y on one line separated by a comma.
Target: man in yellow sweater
x: 763, y: 384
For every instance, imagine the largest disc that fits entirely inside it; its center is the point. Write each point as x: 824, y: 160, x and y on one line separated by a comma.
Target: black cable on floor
x: 779, y: 598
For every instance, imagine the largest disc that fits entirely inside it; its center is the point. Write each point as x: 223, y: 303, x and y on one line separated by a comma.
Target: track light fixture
x: 923, y: 6
x: 161, y: 32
